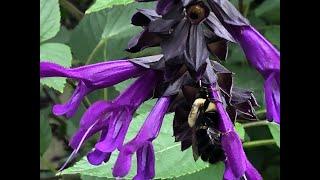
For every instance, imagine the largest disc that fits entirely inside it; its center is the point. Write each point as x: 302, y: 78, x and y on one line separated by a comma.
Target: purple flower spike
x: 236, y: 162
x: 90, y: 77
x: 146, y: 162
x: 147, y: 134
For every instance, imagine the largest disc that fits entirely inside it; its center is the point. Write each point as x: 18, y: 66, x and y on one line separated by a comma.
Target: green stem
x: 72, y: 9
x: 101, y: 42
x: 257, y: 143
x: 105, y: 94
x: 246, y: 11
x: 257, y: 123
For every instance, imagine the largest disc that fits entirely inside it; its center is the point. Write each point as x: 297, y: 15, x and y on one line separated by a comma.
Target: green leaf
x: 275, y: 132
x: 45, y: 131
x: 167, y: 152
x: 213, y: 172
x: 63, y: 36
x: 269, y: 10
x: 104, y: 35
x: 59, y: 54
x: 273, y: 35
x: 103, y: 4
x: 240, y: 130
x: 49, y: 19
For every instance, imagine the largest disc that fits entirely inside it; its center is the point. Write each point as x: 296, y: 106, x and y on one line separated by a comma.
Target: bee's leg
x: 194, y: 112
x: 210, y: 106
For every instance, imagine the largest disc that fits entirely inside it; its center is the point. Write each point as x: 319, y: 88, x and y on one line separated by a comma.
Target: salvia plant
x: 188, y: 81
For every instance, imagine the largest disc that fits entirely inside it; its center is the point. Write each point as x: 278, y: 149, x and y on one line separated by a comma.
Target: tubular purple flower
x: 90, y: 77
x: 236, y: 162
x: 264, y: 57
x: 146, y: 162
x: 148, y: 132
x: 113, y: 118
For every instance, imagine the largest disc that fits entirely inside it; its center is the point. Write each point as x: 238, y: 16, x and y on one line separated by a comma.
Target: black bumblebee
x: 205, y: 136
x: 195, y: 125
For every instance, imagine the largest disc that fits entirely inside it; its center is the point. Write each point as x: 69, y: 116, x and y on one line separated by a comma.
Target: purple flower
x: 236, y: 161
x: 113, y: 118
x: 141, y: 144
x: 91, y: 77
x: 261, y: 54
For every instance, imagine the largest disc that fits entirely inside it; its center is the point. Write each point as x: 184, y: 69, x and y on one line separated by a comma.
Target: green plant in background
x: 102, y: 34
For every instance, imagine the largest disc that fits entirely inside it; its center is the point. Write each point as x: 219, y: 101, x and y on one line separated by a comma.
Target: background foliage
x: 78, y: 32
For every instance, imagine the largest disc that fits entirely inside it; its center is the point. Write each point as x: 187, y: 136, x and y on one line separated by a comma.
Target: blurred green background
x: 78, y: 32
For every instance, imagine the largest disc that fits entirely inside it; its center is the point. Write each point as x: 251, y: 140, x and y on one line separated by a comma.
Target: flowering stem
x: 95, y: 50
x: 257, y: 143
x: 257, y: 123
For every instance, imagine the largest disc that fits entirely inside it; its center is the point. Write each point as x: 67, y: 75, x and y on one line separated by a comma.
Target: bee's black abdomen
x: 208, y: 148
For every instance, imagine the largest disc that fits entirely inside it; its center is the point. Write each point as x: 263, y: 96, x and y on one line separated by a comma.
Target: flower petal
x: 228, y: 175
x: 70, y: 107
x: 176, y: 45
x: 252, y: 173
x: 272, y: 97
x: 164, y: 6
x: 196, y: 50
x: 143, y: 40
x: 143, y: 17
x: 118, y: 127
x: 216, y: 26
x: 227, y: 13
x: 96, y: 157
x: 99, y: 75
x: 146, y: 163
x: 261, y: 54
x: 236, y: 157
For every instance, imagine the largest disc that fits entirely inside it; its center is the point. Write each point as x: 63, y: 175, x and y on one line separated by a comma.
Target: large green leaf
x: 45, y: 131
x: 103, y: 4
x: 104, y: 35
x: 49, y: 19
x: 273, y: 35
x: 168, y: 154
x: 275, y: 132
x: 269, y: 10
x: 59, y: 54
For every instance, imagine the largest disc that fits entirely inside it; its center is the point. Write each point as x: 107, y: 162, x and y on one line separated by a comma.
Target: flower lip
x: 197, y: 12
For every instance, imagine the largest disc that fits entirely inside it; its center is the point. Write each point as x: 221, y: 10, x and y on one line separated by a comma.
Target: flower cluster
x: 189, y: 32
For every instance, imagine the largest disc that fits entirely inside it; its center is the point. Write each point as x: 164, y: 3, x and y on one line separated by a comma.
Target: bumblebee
x: 203, y: 119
